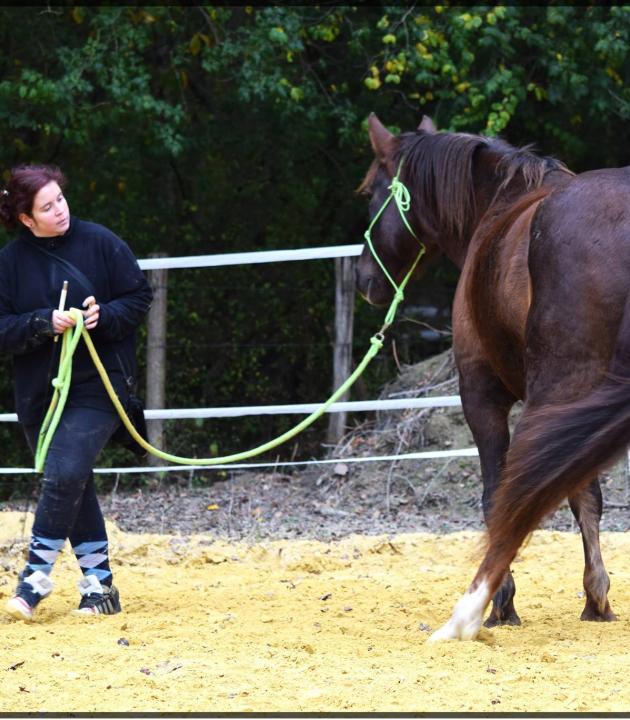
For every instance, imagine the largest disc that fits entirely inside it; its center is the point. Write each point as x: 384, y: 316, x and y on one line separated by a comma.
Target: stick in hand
x: 62, y: 301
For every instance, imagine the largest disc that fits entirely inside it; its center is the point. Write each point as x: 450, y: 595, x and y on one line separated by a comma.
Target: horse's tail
x: 559, y: 448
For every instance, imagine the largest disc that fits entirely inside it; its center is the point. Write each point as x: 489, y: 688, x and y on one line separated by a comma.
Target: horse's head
x: 395, y: 245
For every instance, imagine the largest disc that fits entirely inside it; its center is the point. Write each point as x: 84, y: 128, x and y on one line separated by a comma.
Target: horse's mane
x: 440, y: 167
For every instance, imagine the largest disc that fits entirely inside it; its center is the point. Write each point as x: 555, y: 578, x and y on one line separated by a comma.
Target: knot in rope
x: 377, y: 341
x: 401, y: 195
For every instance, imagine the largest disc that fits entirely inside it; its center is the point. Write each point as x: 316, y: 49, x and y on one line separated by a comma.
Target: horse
x: 541, y: 314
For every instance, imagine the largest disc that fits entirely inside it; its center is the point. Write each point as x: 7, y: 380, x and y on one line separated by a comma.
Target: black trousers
x: 68, y: 505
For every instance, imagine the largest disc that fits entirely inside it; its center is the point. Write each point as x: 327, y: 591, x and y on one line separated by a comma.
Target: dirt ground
x: 301, y: 625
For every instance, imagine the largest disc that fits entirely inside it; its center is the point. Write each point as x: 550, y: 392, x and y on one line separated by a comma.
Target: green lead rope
x: 72, y: 336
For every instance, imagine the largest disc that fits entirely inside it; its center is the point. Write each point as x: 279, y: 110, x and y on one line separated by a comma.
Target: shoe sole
x: 17, y: 613
x: 81, y: 613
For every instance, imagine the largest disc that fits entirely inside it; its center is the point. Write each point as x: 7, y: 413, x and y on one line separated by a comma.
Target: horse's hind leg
x: 586, y: 505
x: 487, y: 404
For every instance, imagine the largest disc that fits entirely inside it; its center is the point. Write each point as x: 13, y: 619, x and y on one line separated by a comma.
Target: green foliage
x: 195, y: 130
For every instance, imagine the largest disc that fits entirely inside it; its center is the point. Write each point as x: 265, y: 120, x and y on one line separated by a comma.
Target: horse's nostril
x: 363, y: 286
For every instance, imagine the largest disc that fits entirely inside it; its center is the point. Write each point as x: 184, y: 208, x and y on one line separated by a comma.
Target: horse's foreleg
x: 586, y: 505
x: 487, y: 404
x: 467, y: 616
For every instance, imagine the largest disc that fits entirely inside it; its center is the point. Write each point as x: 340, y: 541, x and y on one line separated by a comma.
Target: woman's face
x: 50, y: 215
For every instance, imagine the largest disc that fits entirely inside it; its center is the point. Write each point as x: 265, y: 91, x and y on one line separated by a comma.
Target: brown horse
x: 541, y: 313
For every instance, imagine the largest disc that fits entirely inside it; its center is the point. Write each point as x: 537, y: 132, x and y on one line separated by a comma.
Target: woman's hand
x: 61, y: 322
x: 90, y: 316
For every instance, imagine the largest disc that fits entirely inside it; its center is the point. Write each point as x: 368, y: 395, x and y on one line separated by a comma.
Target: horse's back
x: 579, y: 263
x: 581, y: 237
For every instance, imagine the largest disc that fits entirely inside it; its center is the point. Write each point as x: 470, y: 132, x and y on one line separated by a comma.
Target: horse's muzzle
x: 376, y: 290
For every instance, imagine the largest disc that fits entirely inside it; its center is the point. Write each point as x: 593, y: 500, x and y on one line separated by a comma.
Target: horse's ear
x: 380, y: 137
x: 427, y: 125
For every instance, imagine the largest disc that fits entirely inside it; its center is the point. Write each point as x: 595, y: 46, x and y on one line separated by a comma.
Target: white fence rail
x: 304, y: 409
x: 194, y: 413
x: 250, y: 258
x: 429, y: 455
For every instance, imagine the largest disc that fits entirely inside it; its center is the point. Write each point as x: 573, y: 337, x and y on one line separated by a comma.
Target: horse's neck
x: 492, y: 192
x: 486, y: 186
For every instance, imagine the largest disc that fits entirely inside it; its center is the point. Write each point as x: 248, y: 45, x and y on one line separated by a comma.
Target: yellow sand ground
x: 307, y: 626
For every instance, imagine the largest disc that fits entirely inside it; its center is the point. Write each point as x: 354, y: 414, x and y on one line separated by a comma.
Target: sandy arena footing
x: 293, y: 626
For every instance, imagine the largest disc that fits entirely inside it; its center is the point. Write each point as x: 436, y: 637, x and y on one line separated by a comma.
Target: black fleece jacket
x: 30, y: 287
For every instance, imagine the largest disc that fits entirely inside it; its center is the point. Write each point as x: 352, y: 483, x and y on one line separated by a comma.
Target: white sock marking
x: 467, y: 616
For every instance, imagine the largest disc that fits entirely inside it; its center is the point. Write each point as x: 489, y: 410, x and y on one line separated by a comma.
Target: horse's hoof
x: 592, y: 614
x: 467, y: 616
x: 493, y: 621
x: 446, y: 632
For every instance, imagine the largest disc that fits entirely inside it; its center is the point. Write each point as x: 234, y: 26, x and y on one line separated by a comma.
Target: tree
x: 208, y: 129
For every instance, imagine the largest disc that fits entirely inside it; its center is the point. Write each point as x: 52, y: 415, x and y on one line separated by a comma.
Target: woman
x: 104, y: 278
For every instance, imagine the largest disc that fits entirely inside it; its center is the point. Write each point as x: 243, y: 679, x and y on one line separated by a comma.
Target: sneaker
x: 29, y: 591
x: 97, y: 599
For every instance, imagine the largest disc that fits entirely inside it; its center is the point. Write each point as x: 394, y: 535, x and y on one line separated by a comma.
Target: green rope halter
x: 401, y: 197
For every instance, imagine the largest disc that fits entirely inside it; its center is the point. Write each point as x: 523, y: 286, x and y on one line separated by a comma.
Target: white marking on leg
x: 467, y: 616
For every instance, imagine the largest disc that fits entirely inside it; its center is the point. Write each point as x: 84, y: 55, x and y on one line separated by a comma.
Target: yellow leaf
x: 195, y: 45
x: 121, y: 186
x: 93, y: 185
x: 372, y: 83
x: 205, y: 38
x: 78, y: 14
x: 212, y: 507
x: 184, y: 79
x: 614, y: 75
x: 248, y: 9
x: 559, y: 56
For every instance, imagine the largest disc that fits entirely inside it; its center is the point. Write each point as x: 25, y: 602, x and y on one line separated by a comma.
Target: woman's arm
x: 21, y: 334
x: 131, y: 293
x: 25, y: 332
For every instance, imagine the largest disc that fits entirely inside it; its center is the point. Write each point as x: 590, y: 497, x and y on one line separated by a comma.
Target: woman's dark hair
x: 26, y: 181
